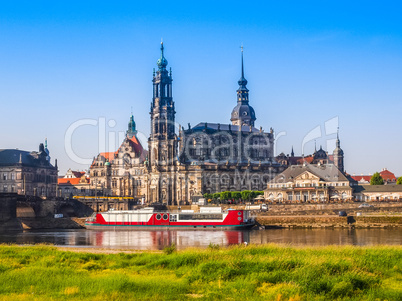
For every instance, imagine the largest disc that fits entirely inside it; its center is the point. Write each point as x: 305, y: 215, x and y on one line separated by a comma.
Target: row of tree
x: 376, y: 179
x: 245, y: 195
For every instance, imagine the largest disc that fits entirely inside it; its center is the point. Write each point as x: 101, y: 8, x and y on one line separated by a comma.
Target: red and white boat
x: 159, y: 218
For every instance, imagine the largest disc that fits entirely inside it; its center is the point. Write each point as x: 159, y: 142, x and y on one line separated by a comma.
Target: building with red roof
x: 388, y: 177
x: 74, y: 183
x: 123, y: 172
x: 318, y: 157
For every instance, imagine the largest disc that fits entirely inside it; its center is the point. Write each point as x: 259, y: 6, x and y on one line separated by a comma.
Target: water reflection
x: 153, y: 240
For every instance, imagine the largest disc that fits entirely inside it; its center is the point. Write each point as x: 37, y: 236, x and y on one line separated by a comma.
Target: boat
x: 158, y: 217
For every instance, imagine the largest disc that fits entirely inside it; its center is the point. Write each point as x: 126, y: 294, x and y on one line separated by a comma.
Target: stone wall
x: 8, y: 203
x: 330, y: 221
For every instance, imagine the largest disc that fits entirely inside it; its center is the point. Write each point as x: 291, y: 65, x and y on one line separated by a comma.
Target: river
x: 154, y: 240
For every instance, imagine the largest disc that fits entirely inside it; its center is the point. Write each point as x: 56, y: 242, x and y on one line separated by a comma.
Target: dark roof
x: 378, y: 188
x: 222, y: 127
x: 14, y: 156
x: 326, y: 173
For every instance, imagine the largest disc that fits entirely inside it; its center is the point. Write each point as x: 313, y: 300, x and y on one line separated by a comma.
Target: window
x: 12, y: 188
x: 4, y: 176
x: 12, y: 176
x: 5, y: 188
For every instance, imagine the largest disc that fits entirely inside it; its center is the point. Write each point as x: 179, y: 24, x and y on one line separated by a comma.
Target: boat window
x: 165, y: 216
x: 189, y: 216
x: 158, y: 216
x: 173, y: 218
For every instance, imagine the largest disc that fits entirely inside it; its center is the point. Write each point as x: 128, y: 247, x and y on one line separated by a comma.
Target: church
x: 183, y: 163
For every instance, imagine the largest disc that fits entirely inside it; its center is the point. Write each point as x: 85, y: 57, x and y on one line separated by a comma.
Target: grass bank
x: 237, y: 273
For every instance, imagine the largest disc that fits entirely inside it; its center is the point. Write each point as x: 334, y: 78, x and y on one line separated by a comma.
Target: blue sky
x: 307, y: 62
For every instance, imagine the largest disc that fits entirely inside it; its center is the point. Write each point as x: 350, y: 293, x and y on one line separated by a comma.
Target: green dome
x: 162, y: 62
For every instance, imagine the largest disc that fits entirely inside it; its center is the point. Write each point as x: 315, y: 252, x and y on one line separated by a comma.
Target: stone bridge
x: 14, y: 206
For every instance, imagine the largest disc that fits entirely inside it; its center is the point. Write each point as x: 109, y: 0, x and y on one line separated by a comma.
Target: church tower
x: 338, y: 154
x: 131, y: 131
x: 162, y: 141
x: 243, y: 113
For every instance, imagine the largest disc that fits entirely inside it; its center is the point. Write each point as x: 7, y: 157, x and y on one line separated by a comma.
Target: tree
x: 226, y: 195
x: 236, y: 195
x: 376, y: 179
x: 246, y: 195
x: 399, y: 181
x: 208, y: 196
x: 216, y: 195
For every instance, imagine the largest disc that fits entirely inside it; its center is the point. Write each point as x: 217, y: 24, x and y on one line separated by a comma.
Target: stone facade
x: 74, y: 183
x: 379, y: 193
x: 310, y: 183
x: 122, y: 173
x: 28, y: 173
x: 206, y: 158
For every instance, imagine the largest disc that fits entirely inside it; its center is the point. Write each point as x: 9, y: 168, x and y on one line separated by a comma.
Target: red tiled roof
x: 71, y: 181
x: 387, y: 175
x: 361, y: 178
x: 109, y: 156
x: 136, y: 145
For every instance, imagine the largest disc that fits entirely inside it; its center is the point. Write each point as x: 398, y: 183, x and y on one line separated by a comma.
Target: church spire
x: 242, y: 83
x: 243, y: 114
x: 338, y: 154
x: 338, y: 142
x: 162, y: 62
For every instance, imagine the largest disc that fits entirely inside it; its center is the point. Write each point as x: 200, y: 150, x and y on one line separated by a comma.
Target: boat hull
x: 210, y: 219
x: 167, y: 227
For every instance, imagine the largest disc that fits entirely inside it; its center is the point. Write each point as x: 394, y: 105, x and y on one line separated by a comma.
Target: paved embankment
x: 330, y: 221
x: 51, y: 223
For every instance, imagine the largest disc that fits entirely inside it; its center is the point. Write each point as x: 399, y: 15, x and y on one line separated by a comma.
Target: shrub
x: 213, y: 246
x: 170, y: 249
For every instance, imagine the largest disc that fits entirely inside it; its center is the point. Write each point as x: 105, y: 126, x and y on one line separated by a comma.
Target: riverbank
x: 381, y: 215
x: 302, y: 221
x: 251, y: 272
x: 263, y: 220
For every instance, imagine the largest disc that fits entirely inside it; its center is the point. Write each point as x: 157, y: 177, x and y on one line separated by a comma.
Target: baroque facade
x: 28, y: 173
x: 123, y: 172
x: 74, y: 183
x: 206, y: 158
x: 310, y: 183
x: 318, y: 157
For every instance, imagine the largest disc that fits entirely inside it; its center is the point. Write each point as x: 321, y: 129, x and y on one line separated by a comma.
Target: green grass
x: 237, y: 273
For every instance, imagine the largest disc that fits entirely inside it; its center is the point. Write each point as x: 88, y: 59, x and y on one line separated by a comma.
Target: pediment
x: 307, y: 176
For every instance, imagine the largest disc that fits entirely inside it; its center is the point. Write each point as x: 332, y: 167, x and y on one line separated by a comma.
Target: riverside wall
x: 382, y: 215
x: 329, y: 221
